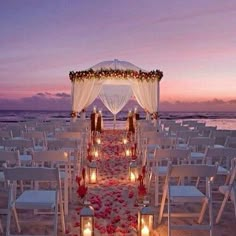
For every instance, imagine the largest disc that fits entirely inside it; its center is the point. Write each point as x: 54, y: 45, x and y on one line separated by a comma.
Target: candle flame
x: 132, y: 176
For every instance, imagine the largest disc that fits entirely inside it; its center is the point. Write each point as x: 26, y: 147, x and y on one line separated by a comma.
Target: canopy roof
x: 116, y: 70
x: 115, y: 65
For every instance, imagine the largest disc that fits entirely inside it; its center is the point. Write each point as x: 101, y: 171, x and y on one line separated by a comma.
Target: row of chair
x: 59, y: 155
x: 180, y: 155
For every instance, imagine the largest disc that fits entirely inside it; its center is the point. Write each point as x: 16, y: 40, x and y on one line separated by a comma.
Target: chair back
x: 214, y: 155
x: 37, y: 136
x: 69, y: 135
x: 192, y: 170
x: 20, y: 144
x: 10, y: 157
x: 6, y: 134
x: 230, y: 142
x: 51, y: 157
x: 232, y: 172
x: 31, y: 174
x: 199, y: 144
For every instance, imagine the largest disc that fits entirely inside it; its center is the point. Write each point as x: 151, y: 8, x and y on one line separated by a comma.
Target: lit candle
x: 125, y: 141
x: 145, y: 231
x: 132, y: 176
x: 87, y: 231
x: 98, y: 141
x: 96, y: 153
x: 127, y: 152
x: 93, y: 177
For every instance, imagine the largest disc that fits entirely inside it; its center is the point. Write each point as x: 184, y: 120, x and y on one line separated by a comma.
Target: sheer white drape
x: 84, y: 93
x: 146, y: 94
x: 115, y: 97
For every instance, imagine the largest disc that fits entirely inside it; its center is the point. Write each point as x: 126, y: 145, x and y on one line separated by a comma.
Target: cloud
x: 232, y: 101
x: 62, y: 95
x: 40, y: 101
x: 208, y: 105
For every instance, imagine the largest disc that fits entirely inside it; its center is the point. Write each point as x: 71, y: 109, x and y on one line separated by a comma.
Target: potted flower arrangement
x: 142, y: 192
x: 82, y: 188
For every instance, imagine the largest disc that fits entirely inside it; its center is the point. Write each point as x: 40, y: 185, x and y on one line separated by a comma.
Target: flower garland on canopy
x: 117, y: 74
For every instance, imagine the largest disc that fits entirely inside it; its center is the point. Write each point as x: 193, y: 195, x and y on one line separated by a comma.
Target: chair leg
x: 65, y: 190
x: 222, y: 207
x: 149, y: 181
x: 169, y: 216
x: 156, y: 190
x: 234, y: 200
x: 16, y: 219
x: 162, y: 204
x: 62, y: 218
x: 203, y: 210
x: 55, y: 221
x: 210, y: 217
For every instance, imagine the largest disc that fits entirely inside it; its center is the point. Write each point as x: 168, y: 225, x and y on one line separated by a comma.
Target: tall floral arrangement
x: 82, y: 188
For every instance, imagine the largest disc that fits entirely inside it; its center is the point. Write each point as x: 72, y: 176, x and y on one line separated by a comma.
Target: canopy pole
x: 114, y: 122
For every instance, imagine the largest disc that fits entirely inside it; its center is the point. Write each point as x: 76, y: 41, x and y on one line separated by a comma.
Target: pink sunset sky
x: 192, y: 42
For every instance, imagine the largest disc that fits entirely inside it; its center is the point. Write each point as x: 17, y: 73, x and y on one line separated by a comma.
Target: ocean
x: 223, y: 120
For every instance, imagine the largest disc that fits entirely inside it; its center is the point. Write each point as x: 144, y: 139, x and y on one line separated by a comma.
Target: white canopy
x: 114, y: 82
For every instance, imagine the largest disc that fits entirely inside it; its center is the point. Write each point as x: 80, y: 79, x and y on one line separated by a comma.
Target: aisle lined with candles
x: 114, y: 196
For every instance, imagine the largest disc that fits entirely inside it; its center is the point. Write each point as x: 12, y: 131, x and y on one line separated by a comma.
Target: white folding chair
x: 220, y: 137
x: 173, y: 129
x: 158, y: 142
x: 206, y: 131
x: 230, y: 142
x: 159, y: 166
x: 6, y: 134
x: 198, y: 146
x: 16, y: 129
x: 81, y: 137
x: 10, y: 158
x: 182, y: 137
x: 30, y: 199
x: 216, y: 155
x: 21, y: 144
x: 183, y: 194
x: 61, y: 159
x: 39, y: 139
x: 229, y: 191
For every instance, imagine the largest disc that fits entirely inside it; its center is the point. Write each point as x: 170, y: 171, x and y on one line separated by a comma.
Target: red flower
x: 78, y: 179
x: 89, y: 157
x: 82, y: 190
x: 142, y: 190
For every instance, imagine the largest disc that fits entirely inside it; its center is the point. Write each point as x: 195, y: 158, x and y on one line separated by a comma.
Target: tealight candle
x: 127, y: 152
x: 93, y: 178
x: 98, y: 141
x: 87, y: 232
x: 132, y: 177
x: 125, y: 141
x: 145, y: 231
x: 96, y: 153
